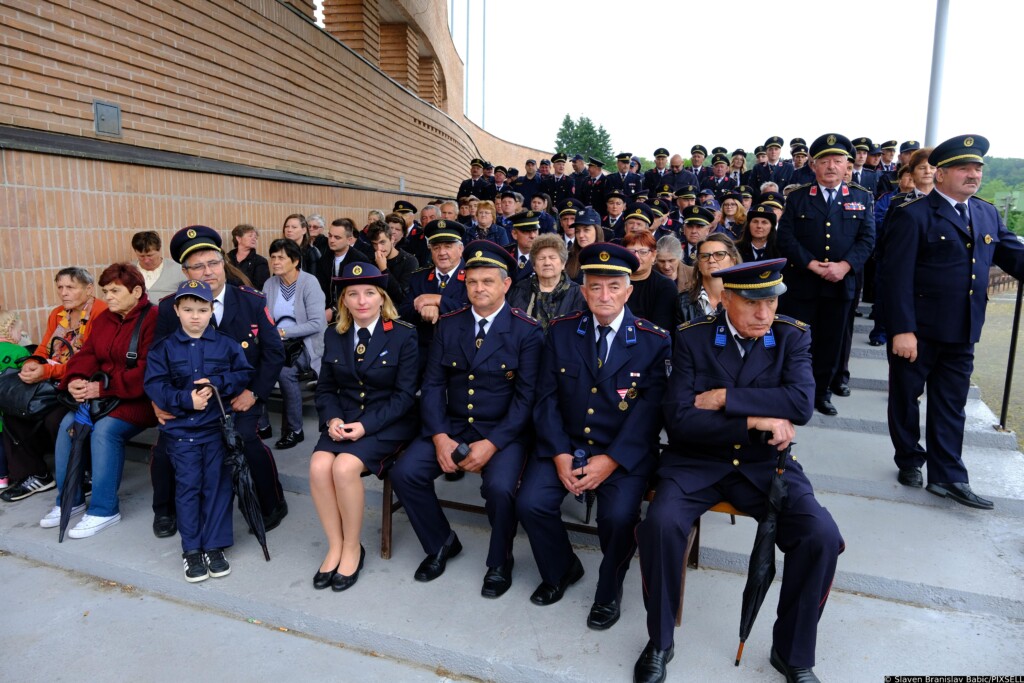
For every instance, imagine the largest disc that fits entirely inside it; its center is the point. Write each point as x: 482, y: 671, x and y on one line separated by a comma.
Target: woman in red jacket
x: 106, y: 350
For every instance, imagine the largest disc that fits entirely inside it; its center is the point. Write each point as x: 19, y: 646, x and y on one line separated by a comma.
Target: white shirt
x: 372, y: 327
x: 826, y: 190
x: 490, y: 319
x: 952, y: 202
x: 615, y: 324
x: 450, y: 273
x: 733, y: 332
x: 218, y: 306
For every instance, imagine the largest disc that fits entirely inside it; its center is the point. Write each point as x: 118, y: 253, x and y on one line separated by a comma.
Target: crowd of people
x: 542, y: 331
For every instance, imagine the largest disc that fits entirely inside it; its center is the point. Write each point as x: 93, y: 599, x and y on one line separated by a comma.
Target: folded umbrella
x: 79, y: 432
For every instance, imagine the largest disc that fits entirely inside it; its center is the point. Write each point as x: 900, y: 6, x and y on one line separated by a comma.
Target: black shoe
x: 165, y: 526
x: 340, y: 582
x: 793, y: 674
x: 603, y: 615
x: 195, y: 567
x: 961, y: 492
x: 265, y: 433
x: 546, y: 594
x: 876, y: 342
x: 273, y: 520
x: 433, y: 565
x: 497, y: 580
x: 29, y: 486
x: 289, y: 440
x: 454, y: 476
x: 322, y: 580
x: 650, y: 668
x: 216, y: 562
x: 826, y: 408
x: 842, y: 390
x: 910, y: 476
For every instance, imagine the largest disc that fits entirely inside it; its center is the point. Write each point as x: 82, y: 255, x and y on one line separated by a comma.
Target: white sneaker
x: 52, y: 518
x: 90, y: 525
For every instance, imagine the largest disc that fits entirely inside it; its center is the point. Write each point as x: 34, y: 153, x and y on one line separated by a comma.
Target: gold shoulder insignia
x: 403, y: 323
x: 798, y: 324
x: 982, y: 199
x: 859, y: 187
x: 911, y: 201
x: 567, y: 316
x: 695, y: 322
x: 420, y: 270
x: 522, y: 315
x: 456, y: 311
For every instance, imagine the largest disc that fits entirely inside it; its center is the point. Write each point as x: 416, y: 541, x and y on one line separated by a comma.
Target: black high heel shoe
x: 340, y: 582
x: 322, y: 580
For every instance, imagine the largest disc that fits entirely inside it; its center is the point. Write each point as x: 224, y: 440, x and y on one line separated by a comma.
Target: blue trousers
x: 202, y: 494
x: 106, y: 443
x: 618, y: 510
x: 413, y: 478
x: 807, y: 535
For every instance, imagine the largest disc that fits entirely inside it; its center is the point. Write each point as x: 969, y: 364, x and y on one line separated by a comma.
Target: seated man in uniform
x: 476, y: 401
x: 601, y: 441
x: 738, y: 378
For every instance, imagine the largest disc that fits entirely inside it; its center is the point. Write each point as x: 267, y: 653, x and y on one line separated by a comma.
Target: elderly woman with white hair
x: 669, y: 262
x: 549, y: 292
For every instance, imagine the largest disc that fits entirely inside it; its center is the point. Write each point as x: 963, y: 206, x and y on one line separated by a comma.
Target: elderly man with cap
x: 802, y: 173
x: 698, y: 153
x: 684, y: 197
x: 477, y: 398
x: 696, y: 226
x: 414, y: 241
x: 525, y: 227
x: 241, y: 314
x: 476, y: 185
x: 773, y: 168
x: 590, y: 190
x: 558, y: 185
x: 567, y: 211
x: 934, y: 276
x: 501, y: 183
x: 726, y: 429
x: 528, y: 184
x: 827, y: 232
x: 579, y: 170
x: 655, y: 177
x: 438, y: 289
x: 718, y: 181
x: 624, y: 180
x: 603, y: 441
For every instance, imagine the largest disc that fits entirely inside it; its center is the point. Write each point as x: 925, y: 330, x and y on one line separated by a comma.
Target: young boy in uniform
x: 197, y: 354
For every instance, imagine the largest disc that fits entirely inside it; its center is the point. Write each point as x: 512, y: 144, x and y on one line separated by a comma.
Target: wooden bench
x: 390, y: 504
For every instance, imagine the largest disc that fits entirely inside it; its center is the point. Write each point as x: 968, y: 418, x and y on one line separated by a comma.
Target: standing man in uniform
x: 529, y: 184
x: 718, y: 181
x: 655, y: 178
x: 240, y: 313
x: 558, y: 185
x: 579, y: 170
x: 476, y: 185
x: 525, y: 227
x: 476, y: 405
x: 602, y: 440
x: 591, y: 190
x: 774, y: 169
x: 740, y: 382
x: 827, y: 232
x: 414, y: 241
x: 938, y: 251
x: 625, y: 181
x: 698, y: 153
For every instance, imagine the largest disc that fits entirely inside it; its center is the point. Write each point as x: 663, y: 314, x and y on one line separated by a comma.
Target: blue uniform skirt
x: 376, y: 454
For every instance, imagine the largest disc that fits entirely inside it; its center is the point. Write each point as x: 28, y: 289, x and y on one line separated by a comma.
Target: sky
x: 676, y: 73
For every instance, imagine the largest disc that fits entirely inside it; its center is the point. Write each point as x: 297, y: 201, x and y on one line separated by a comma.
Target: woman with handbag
x: 27, y: 439
x: 116, y: 350
x: 296, y: 301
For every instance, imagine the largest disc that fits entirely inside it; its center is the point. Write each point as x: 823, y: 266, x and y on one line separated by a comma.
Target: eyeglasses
x: 200, y: 267
x: 708, y: 255
x: 641, y: 252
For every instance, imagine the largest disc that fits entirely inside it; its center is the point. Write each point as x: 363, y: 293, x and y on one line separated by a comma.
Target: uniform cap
x: 402, y: 206
x: 195, y: 288
x: 625, y: 157
x: 773, y: 141
x: 660, y: 152
x: 526, y: 220
x: 699, y: 148
x: 698, y: 215
x: 588, y: 217
x: 639, y: 211
x: 831, y: 143
x: 963, y: 149
x: 559, y: 156
x: 606, y: 258
x: 441, y: 230
x: 757, y: 280
x: 687, y: 192
x: 357, y: 273
x: 909, y: 146
x: 487, y: 254
x: 194, y: 238
x: 762, y: 211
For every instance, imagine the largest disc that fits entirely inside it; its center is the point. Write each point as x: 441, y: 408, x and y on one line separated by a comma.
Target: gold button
x: 974, y: 260
x: 826, y: 260
x: 471, y: 392
x: 586, y: 430
x: 470, y: 406
x: 973, y: 276
x: 502, y: 366
x: 828, y: 236
x: 563, y: 369
x: 590, y: 442
x: 383, y: 362
x: 634, y: 384
x: 826, y: 247
x: 593, y: 390
x: 470, y: 420
x: 737, y: 446
x: 362, y: 394
x: 971, y: 292
x: 793, y: 456
x: 453, y: 364
x: 968, y: 245
x: 471, y: 378
x: 590, y: 411
x: 735, y: 463
x: 360, y: 383
x: 361, y: 407
x: 828, y: 224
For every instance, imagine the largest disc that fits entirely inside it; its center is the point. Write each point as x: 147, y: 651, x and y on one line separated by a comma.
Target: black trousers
x: 27, y: 441
x: 828, y: 319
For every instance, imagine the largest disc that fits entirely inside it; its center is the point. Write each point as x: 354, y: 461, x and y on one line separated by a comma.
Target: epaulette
x: 457, y: 311
x: 982, y: 199
x: 859, y: 187
x: 799, y: 324
x: 800, y: 187
x: 254, y: 292
x: 420, y: 270
x: 521, y: 314
x: 911, y: 201
x: 648, y: 326
x: 696, y: 321
x: 568, y: 316
x: 403, y: 323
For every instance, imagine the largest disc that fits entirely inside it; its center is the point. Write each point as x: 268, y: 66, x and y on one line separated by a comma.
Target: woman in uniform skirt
x: 365, y: 400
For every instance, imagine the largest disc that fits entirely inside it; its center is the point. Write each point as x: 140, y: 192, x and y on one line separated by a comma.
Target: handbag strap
x: 133, y: 346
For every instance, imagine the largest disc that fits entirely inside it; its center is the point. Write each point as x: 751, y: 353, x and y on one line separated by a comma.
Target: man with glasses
x: 678, y: 175
x: 240, y: 313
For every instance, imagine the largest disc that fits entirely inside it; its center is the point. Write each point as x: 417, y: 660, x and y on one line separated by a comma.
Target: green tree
x: 582, y: 137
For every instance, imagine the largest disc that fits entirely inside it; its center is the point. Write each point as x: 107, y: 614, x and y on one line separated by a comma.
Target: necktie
x: 831, y: 196
x: 364, y: 338
x: 746, y: 344
x: 856, y: 177
x: 216, y: 314
x: 522, y: 261
x: 481, y: 333
x: 602, y: 343
x: 444, y: 280
x: 961, y: 209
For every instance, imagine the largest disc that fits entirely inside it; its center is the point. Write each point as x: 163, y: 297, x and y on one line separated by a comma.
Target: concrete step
x: 447, y: 627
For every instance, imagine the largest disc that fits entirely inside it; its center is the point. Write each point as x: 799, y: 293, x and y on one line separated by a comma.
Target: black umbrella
x: 241, y: 477
x: 761, y: 571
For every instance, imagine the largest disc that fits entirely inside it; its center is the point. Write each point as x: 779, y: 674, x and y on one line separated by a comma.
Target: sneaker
x: 4, y: 483
x: 28, y: 487
x: 195, y: 568
x: 52, y: 518
x: 217, y: 563
x: 90, y: 525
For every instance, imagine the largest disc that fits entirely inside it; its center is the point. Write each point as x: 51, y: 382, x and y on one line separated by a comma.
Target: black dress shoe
x: 961, y: 492
x: 273, y: 520
x: 340, y: 582
x: 165, y: 526
x: 841, y: 390
x: 322, y: 580
x: 289, y: 439
x: 454, y: 476
x: 826, y: 408
x: 603, y: 615
x: 650, y: 668
x: 793, y: 674
x: 266, y: 432
x: 910, y: 476
x: 497, y: 580
x: 433, y: 565
x: 547, y: 594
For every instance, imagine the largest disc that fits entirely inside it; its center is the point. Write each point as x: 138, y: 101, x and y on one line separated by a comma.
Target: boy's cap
x: 194, y: 288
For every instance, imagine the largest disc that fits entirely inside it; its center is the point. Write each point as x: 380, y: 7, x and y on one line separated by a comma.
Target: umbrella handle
x: 780, y: 466
x: 216, y: 393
